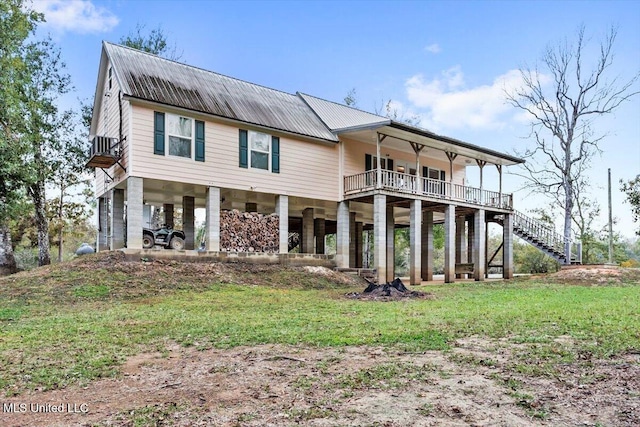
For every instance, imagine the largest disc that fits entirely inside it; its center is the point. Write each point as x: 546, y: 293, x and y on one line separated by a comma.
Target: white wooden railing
x: 427, y: 187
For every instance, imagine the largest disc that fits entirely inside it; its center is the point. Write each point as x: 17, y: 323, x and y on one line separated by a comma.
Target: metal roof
x: 149, y: 77
x: 342, y: 118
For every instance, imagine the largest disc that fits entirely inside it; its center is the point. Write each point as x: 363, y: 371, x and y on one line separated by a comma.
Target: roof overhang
x: 409, y: 133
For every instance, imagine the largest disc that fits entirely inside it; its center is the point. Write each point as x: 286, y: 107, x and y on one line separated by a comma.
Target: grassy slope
x: 77, y: 321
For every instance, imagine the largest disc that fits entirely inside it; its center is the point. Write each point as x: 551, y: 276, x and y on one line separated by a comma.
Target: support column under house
x: 116, y: 240
x: 380, y: 236
x: 415, y: 240
x: 135, y: 194
x: 390, y: 244
x: 427, y: 246
x: 342, y: 235
x: 212, y: 219
x: 449, y: 243
x: 282, y: 210
x: 479, y: 256
x: 188, y: 221
x: 320, y: 231
x: 307, y: 231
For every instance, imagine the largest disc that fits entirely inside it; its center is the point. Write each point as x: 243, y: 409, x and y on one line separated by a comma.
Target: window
x: 179, y: 135
x: 259, y: 150
x: 371, y: 162
x: 260, y: 146
x: 183, y: 135
x: 434, y: 173
x: 110, y: 78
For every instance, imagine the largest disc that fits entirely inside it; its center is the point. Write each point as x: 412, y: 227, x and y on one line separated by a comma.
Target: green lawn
x: 70, y: 325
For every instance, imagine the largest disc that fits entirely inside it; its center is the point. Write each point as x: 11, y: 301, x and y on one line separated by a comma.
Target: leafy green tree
x: 154, y: 42
x: 16, y: 25
x: 45, y: 129
x: 631, y: 189
x: 70, y: 180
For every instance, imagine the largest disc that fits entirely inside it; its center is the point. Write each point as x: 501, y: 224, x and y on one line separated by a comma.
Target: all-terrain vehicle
x: 164, y: 236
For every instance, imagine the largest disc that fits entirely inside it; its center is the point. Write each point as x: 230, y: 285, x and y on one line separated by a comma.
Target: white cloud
x: 433, y: 48
x: 450, y: 105
x: 79, y: 16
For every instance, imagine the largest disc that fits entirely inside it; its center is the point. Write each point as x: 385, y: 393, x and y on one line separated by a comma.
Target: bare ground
x: 473, y: 384
x: 275, y: 385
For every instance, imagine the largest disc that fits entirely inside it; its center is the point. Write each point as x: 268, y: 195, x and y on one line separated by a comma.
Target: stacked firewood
x: 249, y: 232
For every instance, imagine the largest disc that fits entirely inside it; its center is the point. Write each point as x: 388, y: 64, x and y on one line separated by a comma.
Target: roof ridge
x: 343, y: 105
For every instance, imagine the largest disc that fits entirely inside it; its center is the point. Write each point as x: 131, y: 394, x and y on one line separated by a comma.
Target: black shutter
x: 390, y: 164
x: 425, y: 172
x: 199, y: 141
x: 158, y: 133
x: 442, y: 176
x: 275, y: 154
x: 367, y: 162
x: 244, y: 149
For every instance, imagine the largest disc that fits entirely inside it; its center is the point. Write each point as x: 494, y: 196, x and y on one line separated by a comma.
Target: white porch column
x: 415, y: 240
x: 135, y: 194
x: 188, y: 221
x: 507, y: 247
x: 212, y: 218
x: 390, y: 244
x: 307, y: 231
x: 427, y: 246
x: 342, y: 235
x: 380, y: 236
x: 449, y: 243
x: 378, y: 162
x: 116, y: 240
x: 479, y: 255
x: 282, y: 210
x: 481, y: 164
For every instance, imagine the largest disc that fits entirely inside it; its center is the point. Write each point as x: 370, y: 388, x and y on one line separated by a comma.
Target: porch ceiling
x: 398, y: 136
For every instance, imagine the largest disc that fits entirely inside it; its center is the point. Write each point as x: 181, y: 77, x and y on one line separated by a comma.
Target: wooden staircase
x: 540, y: 236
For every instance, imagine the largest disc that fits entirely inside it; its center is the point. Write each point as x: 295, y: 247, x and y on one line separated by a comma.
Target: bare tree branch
x: 562, y: 113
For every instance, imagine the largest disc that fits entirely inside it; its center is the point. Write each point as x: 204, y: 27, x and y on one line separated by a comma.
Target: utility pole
x: 610, y: 223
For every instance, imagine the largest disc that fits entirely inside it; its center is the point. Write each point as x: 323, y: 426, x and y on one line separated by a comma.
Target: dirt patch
x: 588, y: 392
x: 275, y: 385
x: 593, y: 275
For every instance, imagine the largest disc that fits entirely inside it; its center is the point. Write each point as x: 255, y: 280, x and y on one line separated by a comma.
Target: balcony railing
x: 434, y: 188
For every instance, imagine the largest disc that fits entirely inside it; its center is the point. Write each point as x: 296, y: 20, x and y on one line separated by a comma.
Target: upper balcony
x: 408, y: 185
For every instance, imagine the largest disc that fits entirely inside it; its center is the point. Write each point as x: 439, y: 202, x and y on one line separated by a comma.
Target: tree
x: 154, y: 42
x: 563, y: 101
x: 632, y: 190
x: 351, y: 100
x: 45, y: 128
x: 69, y: 179
x: 16, y: 25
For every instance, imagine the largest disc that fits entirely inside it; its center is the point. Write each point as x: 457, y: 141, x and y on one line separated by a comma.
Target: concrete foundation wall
x: 300, y: 260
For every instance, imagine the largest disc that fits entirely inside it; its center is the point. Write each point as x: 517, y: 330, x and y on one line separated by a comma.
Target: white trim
x: 167, y: 136
x: 250, y: 150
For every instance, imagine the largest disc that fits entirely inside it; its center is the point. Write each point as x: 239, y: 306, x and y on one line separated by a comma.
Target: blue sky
x: 445, y: 61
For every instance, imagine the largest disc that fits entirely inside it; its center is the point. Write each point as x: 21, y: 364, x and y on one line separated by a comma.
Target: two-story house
x: 165, y: 134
